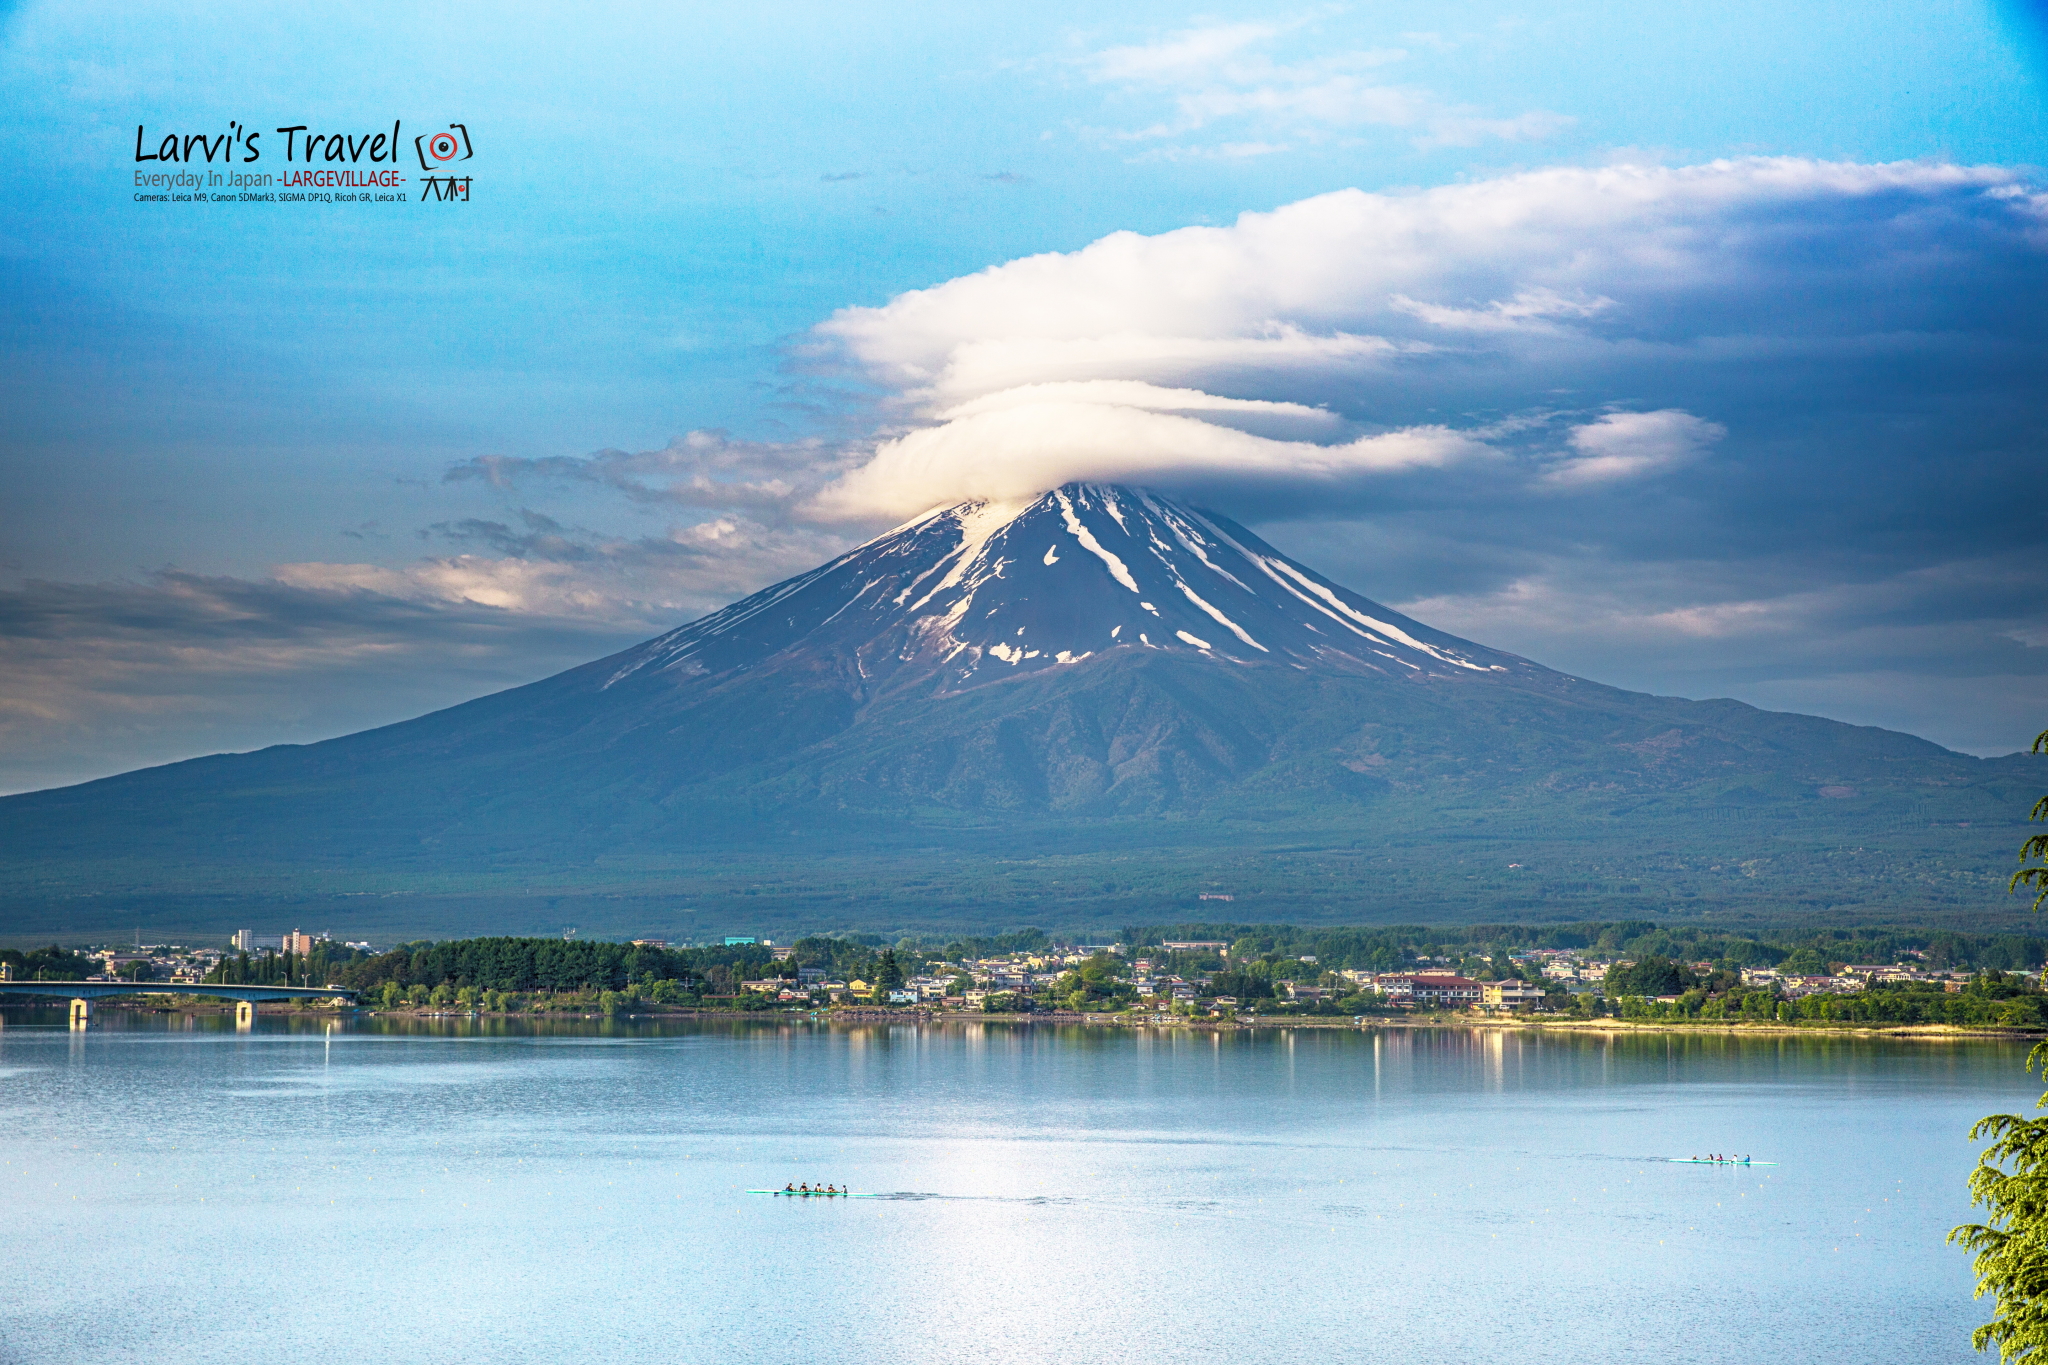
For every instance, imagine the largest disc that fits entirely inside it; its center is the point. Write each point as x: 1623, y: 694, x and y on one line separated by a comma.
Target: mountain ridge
x: 1098, y: 668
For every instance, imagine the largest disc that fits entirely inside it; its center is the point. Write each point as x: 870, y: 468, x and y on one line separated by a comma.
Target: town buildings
x: 1428, y: 990
x: 1509, y: 995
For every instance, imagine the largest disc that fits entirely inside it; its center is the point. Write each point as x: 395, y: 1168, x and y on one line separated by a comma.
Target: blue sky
x: 274, y: 472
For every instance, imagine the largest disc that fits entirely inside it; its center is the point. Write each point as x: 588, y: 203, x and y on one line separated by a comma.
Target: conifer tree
x: 888, y: 973
x: 2011, y: 1180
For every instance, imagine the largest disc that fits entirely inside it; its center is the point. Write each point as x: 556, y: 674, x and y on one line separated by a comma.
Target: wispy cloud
x: 703, y: 469
x: 1950, y: 638
x: 1219, y: 91
x: 99, y: 677
x: 175, y: 663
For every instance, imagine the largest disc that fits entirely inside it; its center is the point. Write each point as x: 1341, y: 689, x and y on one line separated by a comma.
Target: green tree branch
x: 2036, y: 847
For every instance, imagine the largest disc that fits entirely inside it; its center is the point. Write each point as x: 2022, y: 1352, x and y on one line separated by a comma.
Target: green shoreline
x: 1608, y: 1027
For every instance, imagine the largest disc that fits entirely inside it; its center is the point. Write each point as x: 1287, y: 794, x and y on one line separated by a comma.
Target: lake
x: 482, y: 1191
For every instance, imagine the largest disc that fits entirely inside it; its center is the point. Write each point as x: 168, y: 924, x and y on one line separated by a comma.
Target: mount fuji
x: 987, y: 592
x: 1095, y: 703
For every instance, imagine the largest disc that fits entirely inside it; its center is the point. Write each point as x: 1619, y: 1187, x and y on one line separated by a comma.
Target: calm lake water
x: 175, y: 1192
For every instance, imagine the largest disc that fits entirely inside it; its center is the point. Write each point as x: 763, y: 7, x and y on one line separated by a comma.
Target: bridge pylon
x: 245, y: 1015
x: 81, y: 1013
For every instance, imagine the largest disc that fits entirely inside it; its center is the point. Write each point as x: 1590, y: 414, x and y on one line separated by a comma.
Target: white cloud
x: 1193, y: 53
x: 1627, y: 445
x: 986, y: 365
x: 1521, y: 298
x: 1129, y: 393
x: 1351, y: 275
x: 1019, y: 449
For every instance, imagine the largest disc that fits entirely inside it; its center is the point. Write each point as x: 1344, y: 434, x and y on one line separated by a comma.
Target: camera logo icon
x: 439, y: 149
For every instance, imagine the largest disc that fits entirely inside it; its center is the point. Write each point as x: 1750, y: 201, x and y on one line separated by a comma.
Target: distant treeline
x: 1992, y: 998
x: 322, y: 965
x: 1268, y: 950
x: 552, y: 964
x: 1394, y: 946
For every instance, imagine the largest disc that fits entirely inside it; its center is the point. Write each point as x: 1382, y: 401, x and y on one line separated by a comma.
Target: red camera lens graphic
x: 441, y: 146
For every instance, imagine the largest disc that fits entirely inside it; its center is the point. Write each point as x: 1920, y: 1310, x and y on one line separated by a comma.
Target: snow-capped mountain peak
x: 987, y: 590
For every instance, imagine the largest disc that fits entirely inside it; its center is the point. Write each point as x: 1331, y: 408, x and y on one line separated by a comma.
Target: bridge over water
x: 83, y: 993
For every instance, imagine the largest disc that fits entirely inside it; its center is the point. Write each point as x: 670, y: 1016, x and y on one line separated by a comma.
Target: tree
x: 2036, y: 847
x: 888, y: 973
x: 1651, y: 976
x: 2011, y: 1180
x: 1242, y: 985
x: 1804, y: 962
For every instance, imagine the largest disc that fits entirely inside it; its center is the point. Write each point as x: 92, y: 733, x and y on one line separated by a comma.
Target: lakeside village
x: 1260, y: 973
